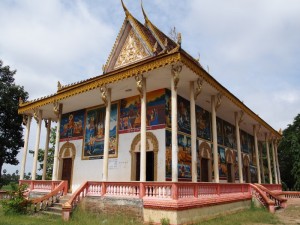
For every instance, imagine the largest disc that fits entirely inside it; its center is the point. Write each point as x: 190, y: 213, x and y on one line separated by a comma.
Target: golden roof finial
x: 125, y: 9
x: 144, y: 13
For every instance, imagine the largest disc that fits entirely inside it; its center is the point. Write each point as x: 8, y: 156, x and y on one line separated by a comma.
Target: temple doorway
x: 205, y: 162
x: 66, y: 163
x: 230, y: 166
x: 246, y: 169
x: 151, y: 157
x: 67, y: 170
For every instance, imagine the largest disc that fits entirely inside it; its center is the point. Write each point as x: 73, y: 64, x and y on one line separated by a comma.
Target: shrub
x: 17, y: 202
x: 165, y: 221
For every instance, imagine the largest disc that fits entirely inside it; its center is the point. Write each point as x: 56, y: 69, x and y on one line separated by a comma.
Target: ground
x: 291, y: 214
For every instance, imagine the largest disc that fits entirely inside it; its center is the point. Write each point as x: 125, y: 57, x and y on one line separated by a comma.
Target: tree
x: 50, y: 157
x: 11, y: 130
x: 289, y: 155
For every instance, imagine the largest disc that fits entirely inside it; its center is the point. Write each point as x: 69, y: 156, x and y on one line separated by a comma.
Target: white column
x: 55, y: 161
x: 193, y: 132
x: 256, y: 153
x: 48, y: 126
x: 268, y: 158
x: 106, y: 136
x: 215, y: 139
x: 37, y: 144
x: 143, y: 131
x: 174, y: 131
x: 238, y: 145
x: 274, y: 162
x: 262, y: 164
x: 277, y: 163
x: 28, y: 123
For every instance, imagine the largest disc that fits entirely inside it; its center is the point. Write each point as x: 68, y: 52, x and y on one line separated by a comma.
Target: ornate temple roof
x: 139, y: 48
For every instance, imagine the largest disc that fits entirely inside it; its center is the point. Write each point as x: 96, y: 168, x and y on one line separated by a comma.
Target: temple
x: 156, y: 116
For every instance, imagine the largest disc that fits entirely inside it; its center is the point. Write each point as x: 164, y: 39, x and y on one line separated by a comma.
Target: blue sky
x: 251, y: 46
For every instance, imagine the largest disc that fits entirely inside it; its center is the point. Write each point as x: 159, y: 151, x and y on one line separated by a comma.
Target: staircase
x: 56, y: 208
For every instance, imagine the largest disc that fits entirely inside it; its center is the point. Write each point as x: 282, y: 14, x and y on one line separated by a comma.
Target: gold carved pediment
x: 132, y: 51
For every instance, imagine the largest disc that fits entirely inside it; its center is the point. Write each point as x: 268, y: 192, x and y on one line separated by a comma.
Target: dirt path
x: 291, y: 214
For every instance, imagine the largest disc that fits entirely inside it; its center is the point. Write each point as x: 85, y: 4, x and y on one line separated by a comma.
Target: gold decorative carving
x: 205, y: 150
x: 241, y: 117
x: 132, y: 51
x: 229, y: 156
x: 25, y: 120
x: 246, y: 160
x: 150, y: 137
x: 199, y: 87
x: 103, y: 91
x: 56, y: 108
x: 98, y: 81
x: 139, y: 84
x: 36, y: 115
x: 219, y: 100
x: 176, y: 69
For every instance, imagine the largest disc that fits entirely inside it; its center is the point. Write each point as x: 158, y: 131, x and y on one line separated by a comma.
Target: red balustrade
x: 40, y: 185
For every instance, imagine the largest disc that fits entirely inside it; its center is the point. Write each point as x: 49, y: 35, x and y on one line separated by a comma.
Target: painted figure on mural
x: 203, y: 123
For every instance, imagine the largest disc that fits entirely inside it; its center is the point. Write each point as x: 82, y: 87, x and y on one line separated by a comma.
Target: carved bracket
x: 25, y: 120
x: 175, y: 73
x: 56, y: 108
x: 103, y: 91
x: 139, y: 84
x: 219, y: 100
x: 198, y: 88
x: 241, y: 117
x: 36, y: 115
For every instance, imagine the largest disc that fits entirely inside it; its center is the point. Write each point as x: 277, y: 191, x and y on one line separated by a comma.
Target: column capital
x: 57, y: 108
x: 218, y: 101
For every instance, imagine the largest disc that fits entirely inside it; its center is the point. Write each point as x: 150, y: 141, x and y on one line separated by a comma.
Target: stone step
x: 51, y: 213
x: 55, y: 209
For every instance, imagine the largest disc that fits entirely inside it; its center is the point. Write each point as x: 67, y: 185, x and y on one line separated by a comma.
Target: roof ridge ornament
x: 127, y: 13
x: 144, y: 13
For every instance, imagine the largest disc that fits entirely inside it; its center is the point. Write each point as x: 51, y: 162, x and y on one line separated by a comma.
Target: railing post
x: 31, y: 185
x: 142, y: 190
x: 218, y: 188
x: 174, y: 191
x: 52, y: 185
x: 103, y: 189
x: 66, y: 211
x: 196, y: 190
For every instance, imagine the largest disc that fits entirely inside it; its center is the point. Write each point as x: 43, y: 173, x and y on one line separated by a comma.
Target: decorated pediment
x: 131, y: 51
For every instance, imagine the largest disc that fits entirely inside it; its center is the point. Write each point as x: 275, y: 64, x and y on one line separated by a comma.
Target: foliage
x: 17, y: 203
x: 165, y: 221
x: 50, y: 158
x: 9, y: 178
x: 289, y: 155
x: 11, y: 130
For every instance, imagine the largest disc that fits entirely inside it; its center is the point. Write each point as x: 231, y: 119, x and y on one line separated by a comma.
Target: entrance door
x: 229, y: 172
x: 246, y: 168
x: 149, y: 166
x: 204, y: 170
x: 67, y: 171
x: 138, y: 160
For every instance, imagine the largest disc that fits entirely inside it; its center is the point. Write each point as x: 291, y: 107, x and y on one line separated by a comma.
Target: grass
x: 249, y: 216
x: 79, y: 217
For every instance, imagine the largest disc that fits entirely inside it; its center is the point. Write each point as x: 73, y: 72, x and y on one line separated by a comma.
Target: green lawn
x: 251, y: 216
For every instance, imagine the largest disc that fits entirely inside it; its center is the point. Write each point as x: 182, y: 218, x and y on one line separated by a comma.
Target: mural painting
x: 168, y: 108
x: 183, y: 115
x: 184, y: 156
x: 71, y: 127
x: 94, y: 133
x: 220, y: 131
x: 236, y: 165
x: 244, y: 141
x: 168, y: 155
x: 251, y: 149
x: 203, y: 123
x: 130, y: 112
x: 222, y: 162
x: 229, y: 135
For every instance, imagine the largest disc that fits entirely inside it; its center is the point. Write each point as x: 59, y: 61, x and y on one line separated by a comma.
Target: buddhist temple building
x: 153, y: 115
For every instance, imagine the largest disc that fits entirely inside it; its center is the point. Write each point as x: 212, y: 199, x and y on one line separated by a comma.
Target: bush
x: 165, y: 221
x: 17, y: 202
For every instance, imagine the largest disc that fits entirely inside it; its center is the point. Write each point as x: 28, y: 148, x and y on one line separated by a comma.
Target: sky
x: 252, y: 47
